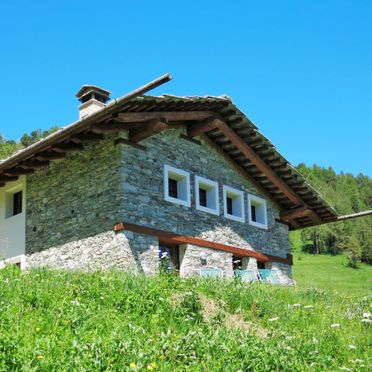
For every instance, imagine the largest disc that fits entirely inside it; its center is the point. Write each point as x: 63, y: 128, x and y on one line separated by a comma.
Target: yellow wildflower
x: 133, y: 365
x: 37, y: 329
x: 151, y: 367
x: 40, y: 357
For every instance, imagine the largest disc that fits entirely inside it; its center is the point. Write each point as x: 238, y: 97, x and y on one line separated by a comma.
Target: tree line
x: 9, y: 147
x: 345, y: 192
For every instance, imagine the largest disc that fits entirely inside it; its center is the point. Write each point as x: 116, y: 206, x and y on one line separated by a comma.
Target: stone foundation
x: 191, y: 261
x: 139, y: 253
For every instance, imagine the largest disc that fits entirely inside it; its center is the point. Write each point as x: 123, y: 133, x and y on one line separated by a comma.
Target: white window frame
x: 263, y: 203
x: 240, y: 194
x: 183, y: 174
x: 215, y: 194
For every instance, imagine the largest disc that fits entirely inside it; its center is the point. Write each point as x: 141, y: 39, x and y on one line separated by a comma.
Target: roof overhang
x: 214, y: 119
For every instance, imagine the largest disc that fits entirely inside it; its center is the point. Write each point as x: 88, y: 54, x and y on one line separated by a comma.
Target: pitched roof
x: 217, y: 120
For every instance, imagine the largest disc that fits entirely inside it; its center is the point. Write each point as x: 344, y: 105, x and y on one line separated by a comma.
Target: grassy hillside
x: 331, y: 272
x: 116, y: 321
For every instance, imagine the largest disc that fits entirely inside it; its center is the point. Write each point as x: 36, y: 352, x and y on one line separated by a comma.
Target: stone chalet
x: 191, y: 177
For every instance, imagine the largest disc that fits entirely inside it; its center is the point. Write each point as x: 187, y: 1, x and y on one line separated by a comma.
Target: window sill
x: 216, y: 212
x: 259, y: 225
x: 178, y: 201
x: 234, y: 218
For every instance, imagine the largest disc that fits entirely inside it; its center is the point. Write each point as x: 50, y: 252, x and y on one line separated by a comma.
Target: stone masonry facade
x: 73, y: 205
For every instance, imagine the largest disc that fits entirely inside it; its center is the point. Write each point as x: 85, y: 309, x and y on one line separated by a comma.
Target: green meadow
x: 115, y: 321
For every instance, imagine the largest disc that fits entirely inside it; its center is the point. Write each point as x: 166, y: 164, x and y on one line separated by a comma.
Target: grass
x: 51, y: 320
x: 331, y: 273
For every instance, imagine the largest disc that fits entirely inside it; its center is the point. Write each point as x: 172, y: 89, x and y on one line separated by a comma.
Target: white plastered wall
x: 12, y: 228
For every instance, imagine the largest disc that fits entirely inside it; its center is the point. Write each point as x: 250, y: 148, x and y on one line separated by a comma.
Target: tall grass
x: 52, y: 320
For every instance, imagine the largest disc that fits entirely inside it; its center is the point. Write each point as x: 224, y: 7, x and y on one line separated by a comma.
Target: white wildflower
x: 288, y: 348
x: 289, y: 337
x: 296, y: 305
x: 344, y: 369
x: 313, y: 352
x: 309, y: 307
x: 365, y: 320
x: 336, y: 325
x: 354, y: 361
x: 366, y: 314
x: 352, y: 347
x: 273, y: 319
x: 75, y: 302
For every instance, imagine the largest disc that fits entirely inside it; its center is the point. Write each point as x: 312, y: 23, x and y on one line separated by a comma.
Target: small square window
x: 206, y: 195
x: 177, y: 186
x: 257, y: 211
x: 233, y: 201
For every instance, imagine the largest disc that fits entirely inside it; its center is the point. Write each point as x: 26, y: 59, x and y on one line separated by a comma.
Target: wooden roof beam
x: 202, y: 127
x: 31, y: 164
x: 147, y: 130
x: 137, y: 117
x: 260, y: 164
x: 67, y: 147
x: 234, y: 164
x: 4, y: 178
x: 18, y: 171
x: 88, y: 137
x: 108, y: 128
x: 49, y: 156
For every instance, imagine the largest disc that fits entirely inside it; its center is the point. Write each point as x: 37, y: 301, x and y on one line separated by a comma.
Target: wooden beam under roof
x: 49, y: 156
x: 294, y: 213
x: 107, y: 128
x: 146, y: 130
x: 31, y: 164
x: 18, y: 171
x: 67, y: 147
x: 89, y: 137
x: 4, y: 178
x: 241, y: 170
x: 260, y: 164
x: 202, y: 127
x: 136, y: 117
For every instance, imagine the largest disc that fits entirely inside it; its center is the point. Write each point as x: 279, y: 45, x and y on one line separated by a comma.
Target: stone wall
x: 144, y: 202
x: 191, y: 263
x: 74, y: 198
x: 73, y: 205
x: 124, y: 251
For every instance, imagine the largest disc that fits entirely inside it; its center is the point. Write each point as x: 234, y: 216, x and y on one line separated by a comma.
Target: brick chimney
x: 92, y: 99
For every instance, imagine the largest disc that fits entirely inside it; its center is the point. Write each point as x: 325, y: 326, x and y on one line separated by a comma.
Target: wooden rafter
x: 146, y: 130
x: 87, y: 138
x: 136, y: 117
x: 260, y: 164
x: 107, y: 128
x: 67, y: 147
x: 202, y: 127
x: 241, y: 170
x: 17, y: 172
x: 49, y: 156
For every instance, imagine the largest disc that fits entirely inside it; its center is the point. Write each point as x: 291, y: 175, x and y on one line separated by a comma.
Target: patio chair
x: 247, y: 275
x: 269, y: 276
x: 211, y: 272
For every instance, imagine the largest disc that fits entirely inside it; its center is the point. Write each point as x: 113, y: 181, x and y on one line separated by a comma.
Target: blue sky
x: 301, y: 70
